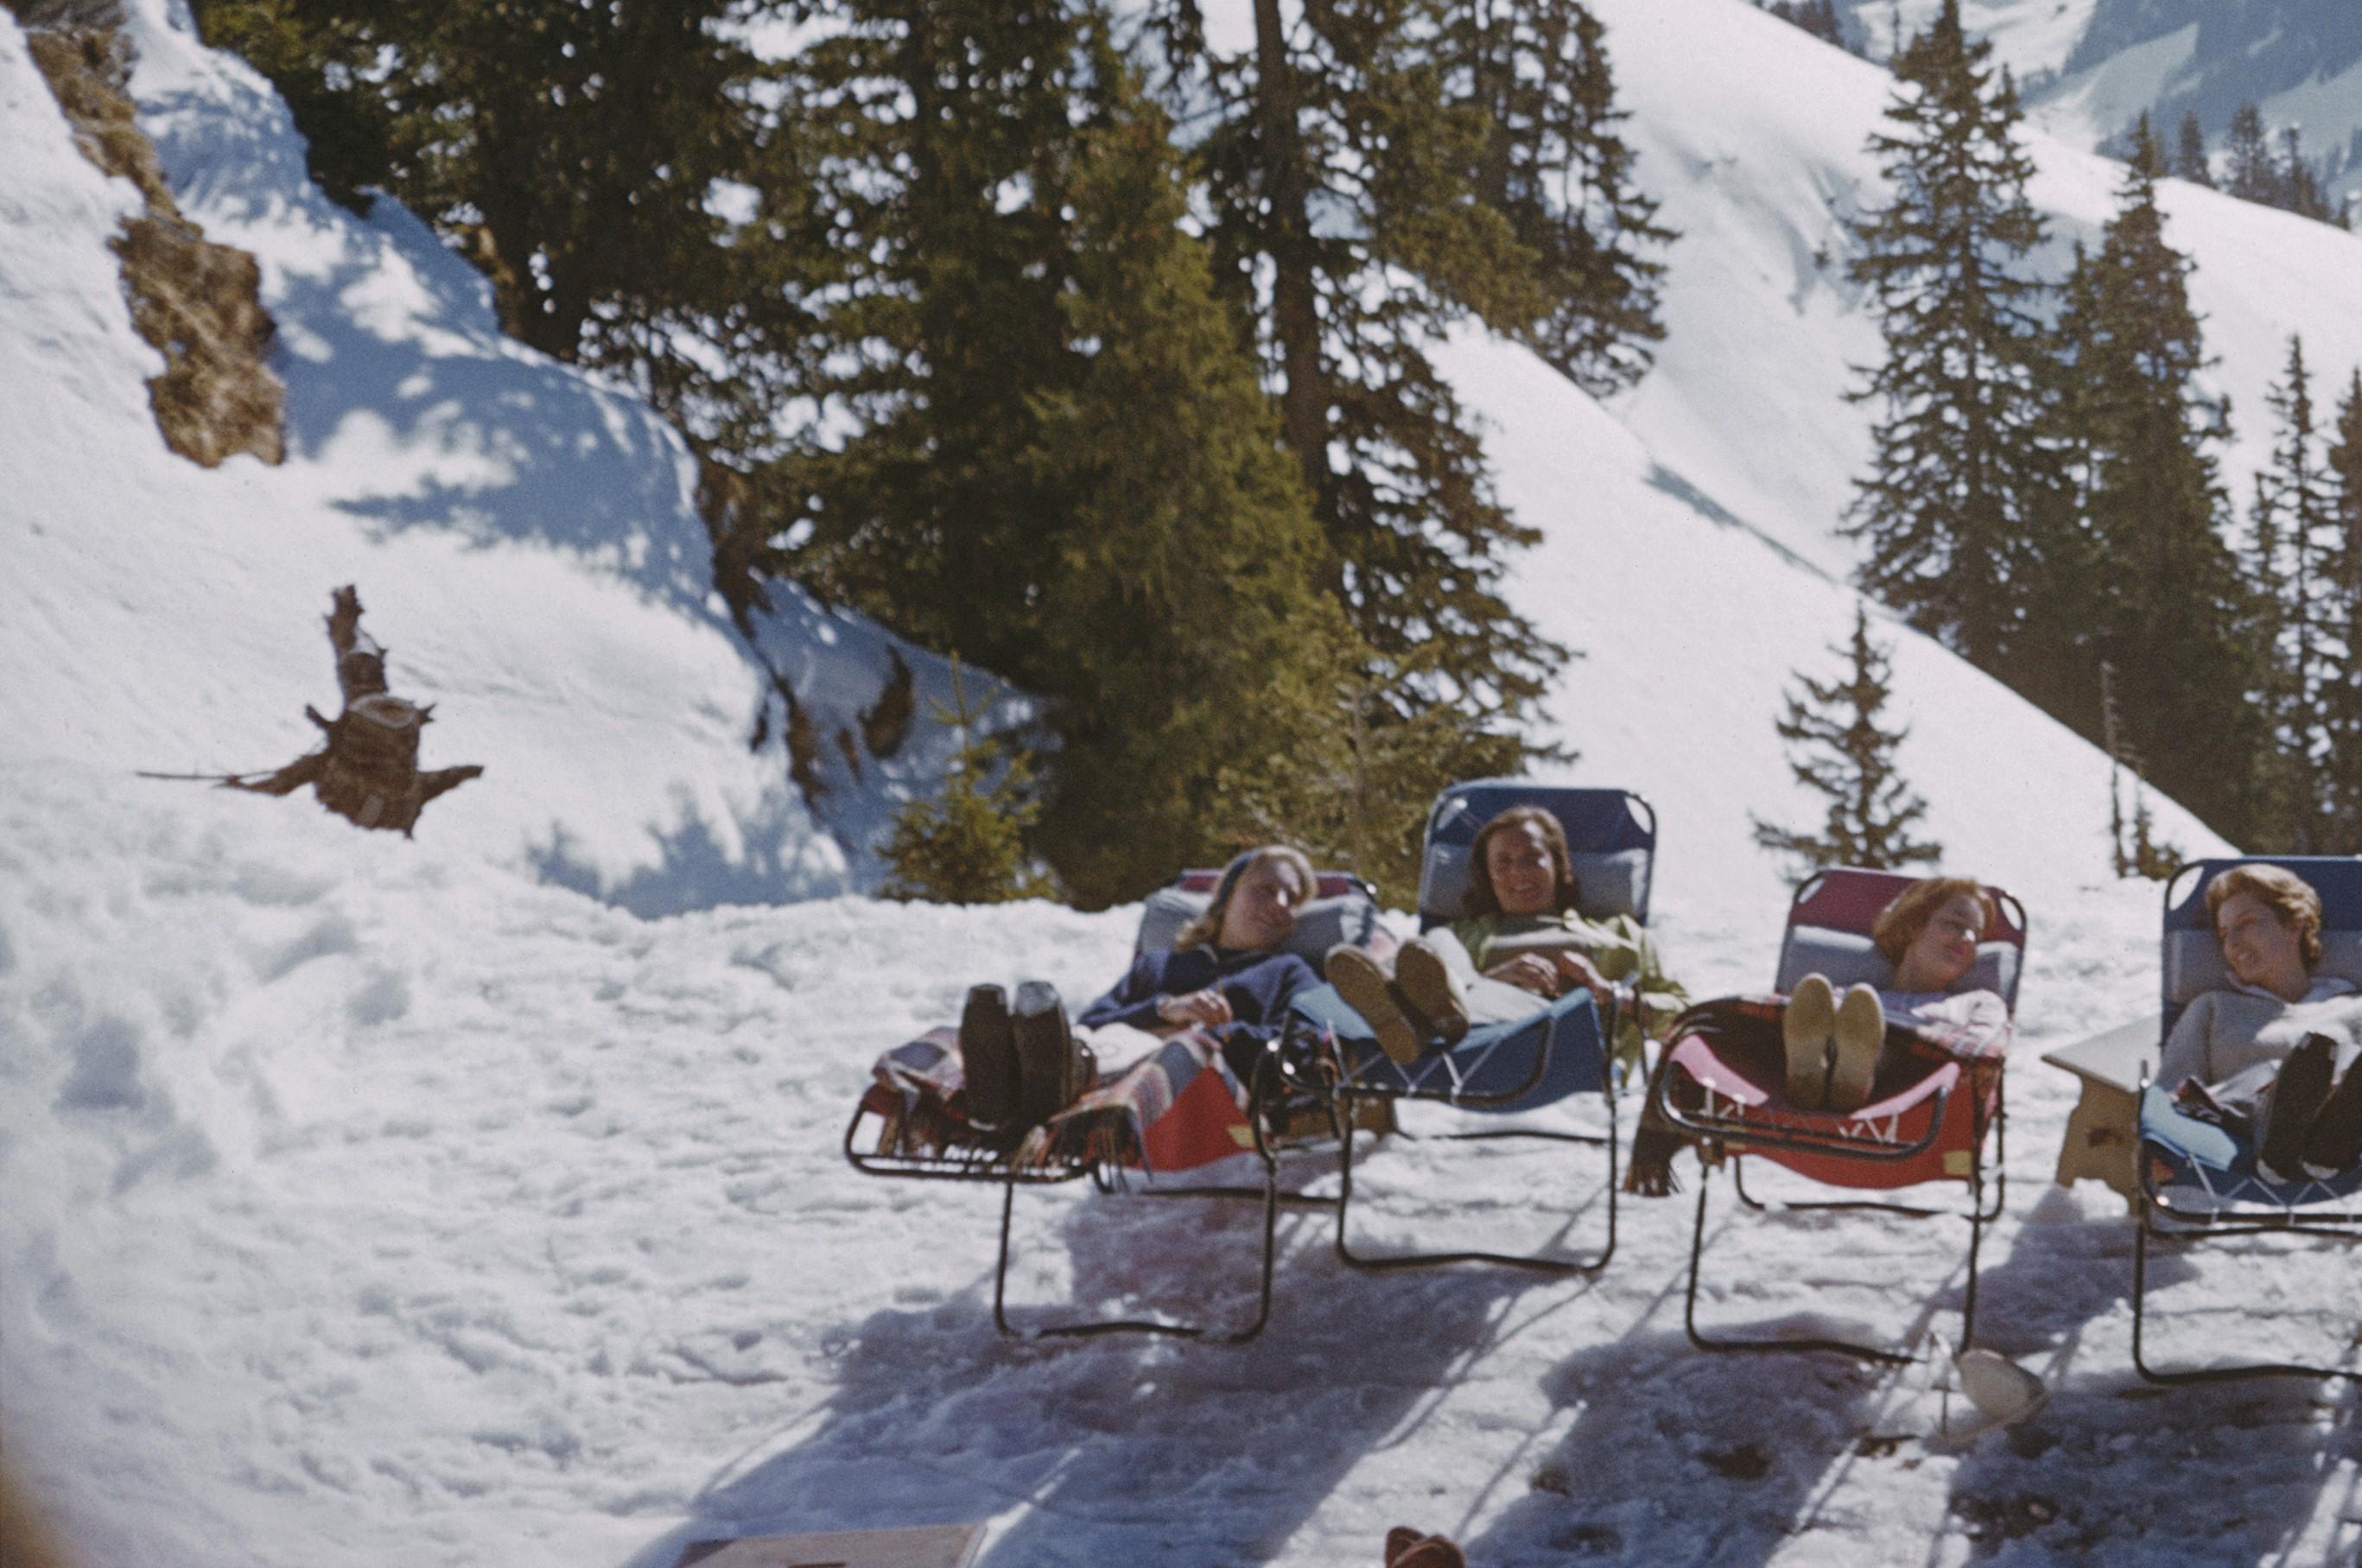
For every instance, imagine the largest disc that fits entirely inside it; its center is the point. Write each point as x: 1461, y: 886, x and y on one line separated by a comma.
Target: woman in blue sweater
x: 1223, y: 972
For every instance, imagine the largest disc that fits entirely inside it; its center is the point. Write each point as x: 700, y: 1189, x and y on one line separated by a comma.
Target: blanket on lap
x: 1177, y: 1111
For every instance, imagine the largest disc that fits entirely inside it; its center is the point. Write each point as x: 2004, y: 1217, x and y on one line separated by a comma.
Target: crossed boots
x: 1832, y: 1045
x: 1419, y: 1001
x: 2313, y: 1123
x: 1021, y: 1064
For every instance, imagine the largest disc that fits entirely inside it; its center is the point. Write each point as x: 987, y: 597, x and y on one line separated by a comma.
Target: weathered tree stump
x: 367, y: 771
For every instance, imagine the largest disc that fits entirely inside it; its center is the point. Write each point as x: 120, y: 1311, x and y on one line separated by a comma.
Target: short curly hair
x: 2289, y: 896
x: 1898, y: 925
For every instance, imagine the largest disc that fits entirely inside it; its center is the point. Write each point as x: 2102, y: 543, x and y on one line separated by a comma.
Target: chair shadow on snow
x: 2113, y: 1469
x: 1680, y: 1457
x: 1124, y: 1449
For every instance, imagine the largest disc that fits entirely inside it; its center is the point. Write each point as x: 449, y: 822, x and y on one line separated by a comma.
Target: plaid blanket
x: 918, y: 1091
x: 1177, y: 1109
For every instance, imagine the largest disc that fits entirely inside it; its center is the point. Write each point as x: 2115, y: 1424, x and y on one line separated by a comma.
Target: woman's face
x: 2259, y: 949
x: 1524, y: 875
x: 1945, y: 948
x: 1261, y: 910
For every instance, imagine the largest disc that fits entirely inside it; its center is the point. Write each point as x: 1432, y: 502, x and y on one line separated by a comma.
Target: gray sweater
x: 2234, y: 1041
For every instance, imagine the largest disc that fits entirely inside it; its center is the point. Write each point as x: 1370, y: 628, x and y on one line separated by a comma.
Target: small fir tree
x: 1837, y: 748
x: 2249, y: 171
x: 2190, y: 152
x: 967, y: 845
x: 2137, y: 848
x: 1960, y: 507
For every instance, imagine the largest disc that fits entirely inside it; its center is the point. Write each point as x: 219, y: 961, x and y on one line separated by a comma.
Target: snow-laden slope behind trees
x: 524, y: 539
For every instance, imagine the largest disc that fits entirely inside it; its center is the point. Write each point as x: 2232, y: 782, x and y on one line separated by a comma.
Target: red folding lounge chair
x: 1722, y: 1078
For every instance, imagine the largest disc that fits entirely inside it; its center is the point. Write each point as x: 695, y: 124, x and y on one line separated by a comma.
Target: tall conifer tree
x: 1047, y: 447
x: 1960, y: 507
x: 2190, y: 152
x: 1456, y: 159
x: 2297, y: 536
x: 2341, y: 701
x: 2155, y: 592
x: 2249, y: 171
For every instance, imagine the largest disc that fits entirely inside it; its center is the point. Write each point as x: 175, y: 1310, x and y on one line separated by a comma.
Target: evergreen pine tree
x: 967, y: 845
x: 2190, y: 152
x: 2301, y: 190
x: 2342, y: 571
x: 2297, y: 536
x: 2249, y: 171
x: 2153, y: 590
x: 1961, y: 508
x: 1058, y: 457
x: 1551, y: 162
x: 1459, y: 158
x: 1838, y: 748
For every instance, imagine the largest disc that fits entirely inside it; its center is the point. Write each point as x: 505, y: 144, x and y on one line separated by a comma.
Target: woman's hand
x: 1574, y: 969
x: 1528, y: 972
x: 1208, y: 1006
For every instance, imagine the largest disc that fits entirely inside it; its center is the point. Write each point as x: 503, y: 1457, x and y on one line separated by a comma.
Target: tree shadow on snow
x: 1124, y: 1449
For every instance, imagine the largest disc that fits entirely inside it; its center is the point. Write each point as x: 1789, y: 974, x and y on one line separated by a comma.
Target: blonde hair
x: 2289, y: 896
x: 1203, y: 931
x: 1898, y: 925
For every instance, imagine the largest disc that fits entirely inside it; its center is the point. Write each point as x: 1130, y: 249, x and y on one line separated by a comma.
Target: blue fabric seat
x: 2199, y: 1177
x: 2209, y: 1166
x: 1521, y: 1065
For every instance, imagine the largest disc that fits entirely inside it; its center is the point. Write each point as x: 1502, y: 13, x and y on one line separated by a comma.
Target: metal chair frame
x: 1737, y: 1137
x: 2187, y: 1228
x: 1452, y: 1094
x: 1340, y: 1106
x: 983, y: 1164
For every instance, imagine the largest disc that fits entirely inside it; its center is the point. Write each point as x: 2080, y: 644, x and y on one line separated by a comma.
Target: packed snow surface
x: 372, y: 1201
x: 371, y: 1208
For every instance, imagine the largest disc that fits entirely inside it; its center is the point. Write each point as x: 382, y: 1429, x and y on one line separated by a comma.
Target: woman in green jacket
x: 1524, y: 944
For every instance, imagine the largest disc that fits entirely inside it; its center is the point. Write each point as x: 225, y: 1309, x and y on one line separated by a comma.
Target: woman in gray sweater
x: 2267, y: 1050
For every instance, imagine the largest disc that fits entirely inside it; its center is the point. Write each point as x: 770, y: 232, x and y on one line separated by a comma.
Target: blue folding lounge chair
x: 1721, y: 1080
x: 1560, y: 1051
x: 2197, y: 1180
x: 903, y: 1128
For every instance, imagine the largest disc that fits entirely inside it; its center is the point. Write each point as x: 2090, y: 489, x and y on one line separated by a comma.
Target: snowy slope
x: 1752, y: 132
x: 524, y: 539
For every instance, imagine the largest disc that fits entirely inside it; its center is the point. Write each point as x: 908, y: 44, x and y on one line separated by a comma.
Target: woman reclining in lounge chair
x: 1929, y: 933
x: 1526, y: 946
x: 1223, y: 972
x: 2266, y: 1054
